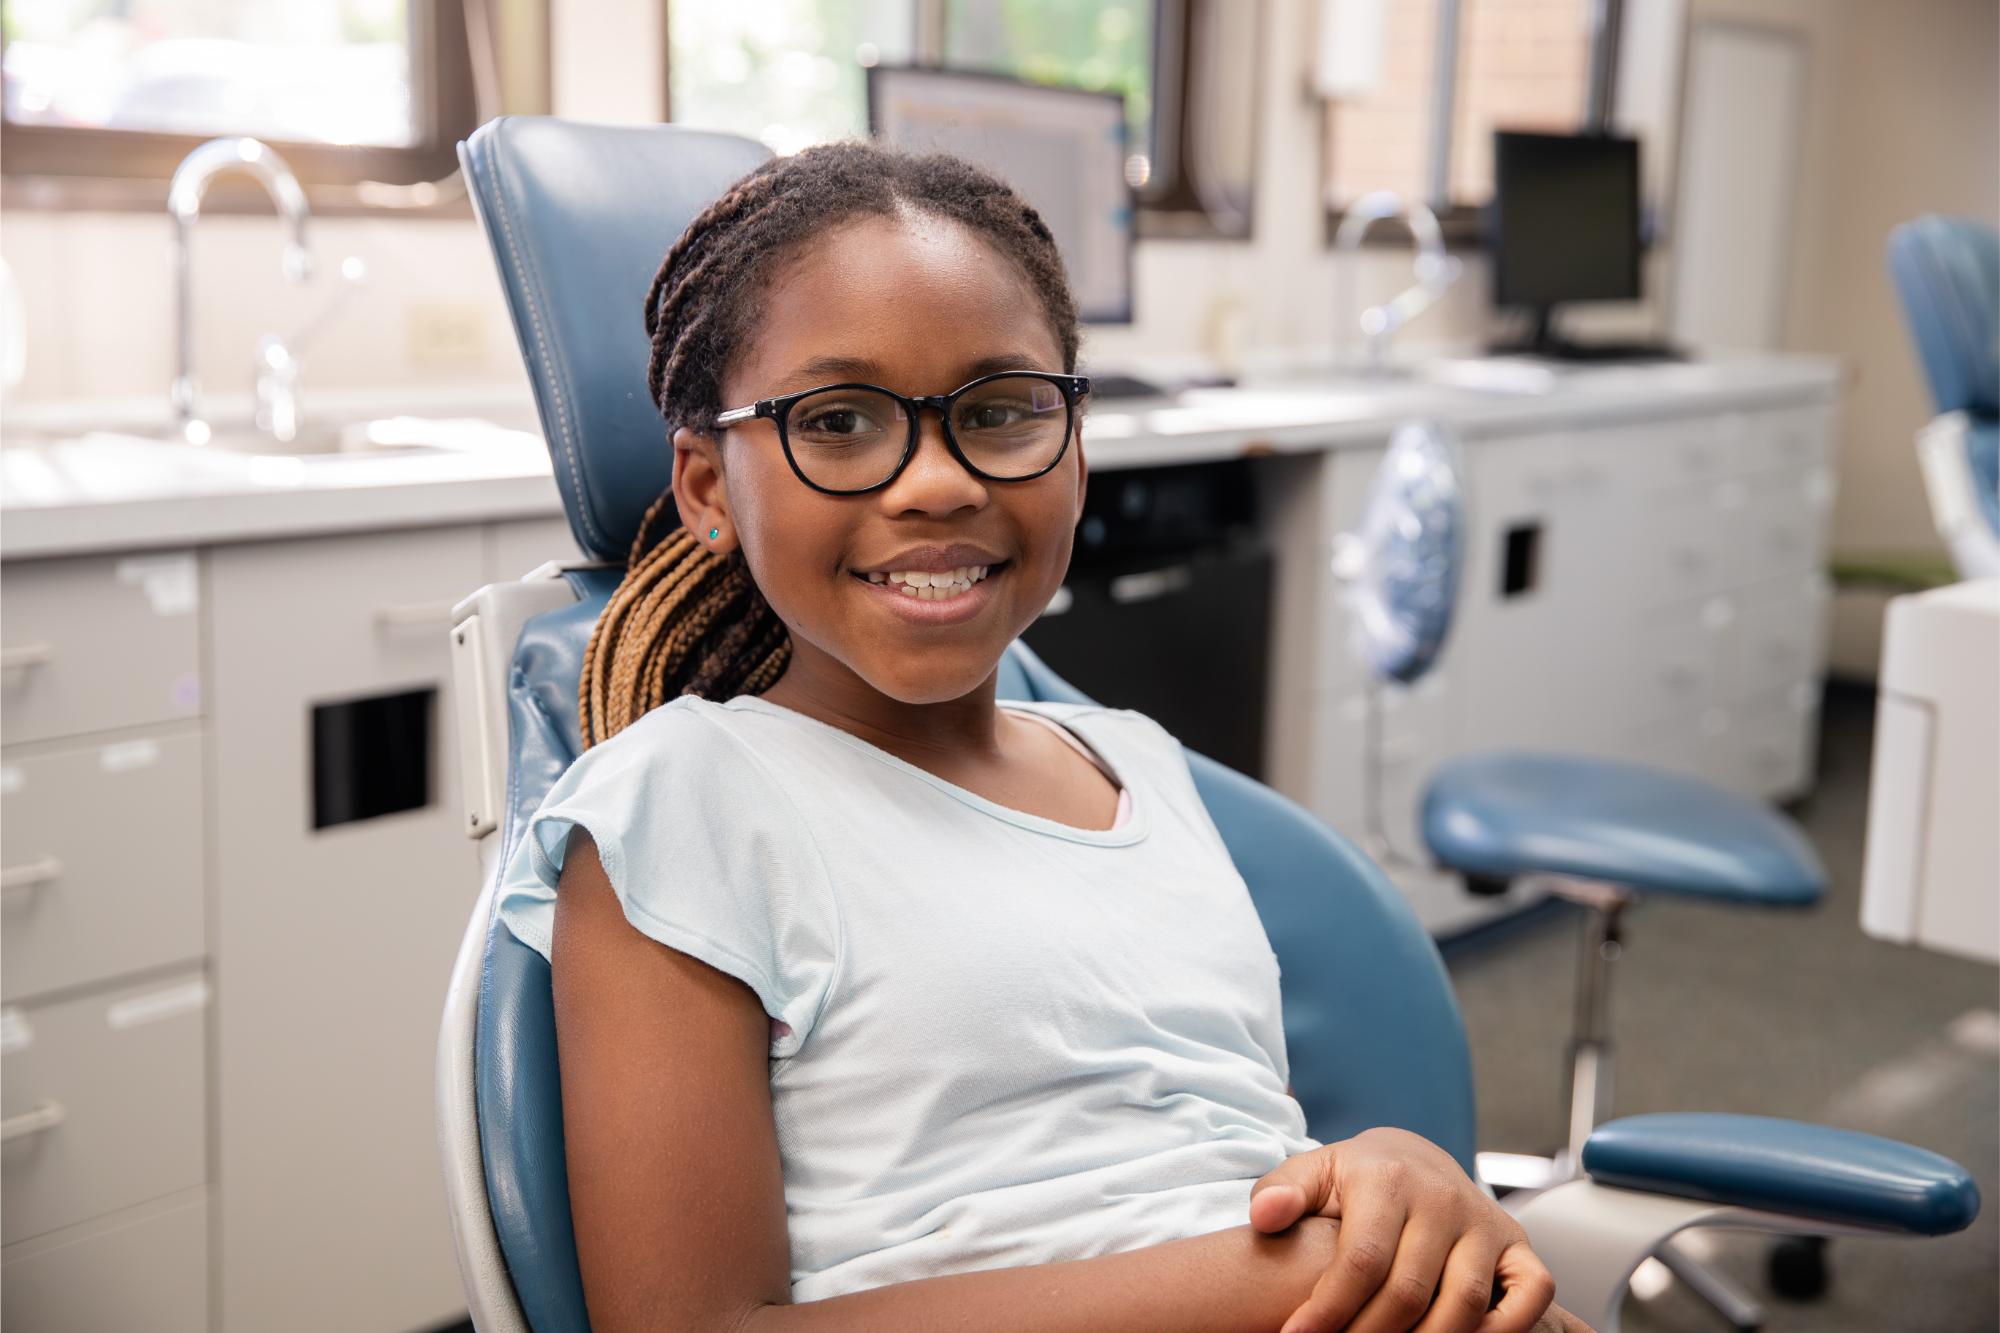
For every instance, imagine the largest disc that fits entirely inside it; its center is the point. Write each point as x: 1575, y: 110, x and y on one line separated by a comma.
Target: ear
x: 701, y: 494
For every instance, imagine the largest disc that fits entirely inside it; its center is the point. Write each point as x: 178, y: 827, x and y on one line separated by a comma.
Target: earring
x: 713, y: 533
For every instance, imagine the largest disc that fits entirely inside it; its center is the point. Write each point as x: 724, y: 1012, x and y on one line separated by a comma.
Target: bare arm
x: 679, y: 1205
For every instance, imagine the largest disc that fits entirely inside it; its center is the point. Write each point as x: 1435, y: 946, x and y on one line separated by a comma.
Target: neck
x: 825, y: 688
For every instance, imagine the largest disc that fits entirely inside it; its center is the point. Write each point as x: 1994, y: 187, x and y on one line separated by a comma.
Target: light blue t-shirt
x: 998, y: 1040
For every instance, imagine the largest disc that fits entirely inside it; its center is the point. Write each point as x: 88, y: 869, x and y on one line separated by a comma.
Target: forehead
x: 920, y: 297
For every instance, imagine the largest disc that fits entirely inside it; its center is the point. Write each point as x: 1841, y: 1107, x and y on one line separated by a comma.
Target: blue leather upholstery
x: 1947, y: 271
x: 1506, y: 815
x: 1783, y: 1166
x: 579, y: 217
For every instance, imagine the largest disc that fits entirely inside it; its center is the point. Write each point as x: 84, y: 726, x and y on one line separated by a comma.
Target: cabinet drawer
x: 1796, y: 438
x: 98, y: 643
x: 1688, y: 542
x: 103, y: 868
x: 1782, y: 528
x: 1780, y: 641
x: 142, y: 1268
x: 1680, y: 652
x: 104, y: 1100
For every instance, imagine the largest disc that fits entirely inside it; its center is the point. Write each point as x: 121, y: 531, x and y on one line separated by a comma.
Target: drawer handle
x: 30, y: 876
x: 27, y: 655
x: 414, y: 613
x: 1151, y: 584
x: 46, y: 1116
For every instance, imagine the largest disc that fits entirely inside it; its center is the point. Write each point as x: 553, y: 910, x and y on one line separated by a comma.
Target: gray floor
x: 1778, y: 1014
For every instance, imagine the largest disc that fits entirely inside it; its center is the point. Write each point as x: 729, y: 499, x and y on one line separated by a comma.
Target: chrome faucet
x: 277, y: 382
x: 1435, y: 269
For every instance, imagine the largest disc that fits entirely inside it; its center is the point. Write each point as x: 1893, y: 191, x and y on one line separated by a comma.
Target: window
x: 349, y: 91
x: 792, y: 73
x: 1480, y: 64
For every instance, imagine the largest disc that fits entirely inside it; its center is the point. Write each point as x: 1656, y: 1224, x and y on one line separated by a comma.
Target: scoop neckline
x: 1132, y: 830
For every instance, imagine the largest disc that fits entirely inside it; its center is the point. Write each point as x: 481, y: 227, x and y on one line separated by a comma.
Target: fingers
x: 1465, y: 1289
x: 1298, y: 1186
x: 1401, y: 1302
x: 1526, y: 1290
x: 1363, y: 1255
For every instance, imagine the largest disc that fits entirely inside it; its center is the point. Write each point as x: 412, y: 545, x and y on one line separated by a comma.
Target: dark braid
x: 686, y: 620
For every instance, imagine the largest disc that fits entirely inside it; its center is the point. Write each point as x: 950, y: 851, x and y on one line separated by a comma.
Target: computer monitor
x: 1564, y: 224
x: 1062, y: 148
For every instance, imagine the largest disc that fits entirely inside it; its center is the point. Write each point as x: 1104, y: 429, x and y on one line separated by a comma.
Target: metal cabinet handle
x: 1150, y: 584
x: 31, y: 875
x: 414, y: 613
x: 45, y: 1116
x: 25, y: 656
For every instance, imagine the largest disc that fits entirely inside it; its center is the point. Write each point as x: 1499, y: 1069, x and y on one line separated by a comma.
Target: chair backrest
x: 1947, y: 272
x: 578, y: 217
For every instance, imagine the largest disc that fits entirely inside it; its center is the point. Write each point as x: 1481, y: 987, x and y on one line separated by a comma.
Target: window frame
x: 52, y: 167
x: 1464, y: 224
x: 1172, y: 210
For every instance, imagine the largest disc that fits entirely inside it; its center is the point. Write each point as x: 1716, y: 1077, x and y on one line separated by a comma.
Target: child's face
x: 919, y: 305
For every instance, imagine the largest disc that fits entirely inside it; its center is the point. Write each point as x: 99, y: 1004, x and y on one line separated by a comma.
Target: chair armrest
x: 1785, y: 1166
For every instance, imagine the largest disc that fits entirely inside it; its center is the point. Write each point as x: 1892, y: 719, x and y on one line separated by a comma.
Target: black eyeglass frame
x: 778, y: 409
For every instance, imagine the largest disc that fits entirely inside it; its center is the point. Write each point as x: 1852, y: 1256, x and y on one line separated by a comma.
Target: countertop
x: 82, y: 478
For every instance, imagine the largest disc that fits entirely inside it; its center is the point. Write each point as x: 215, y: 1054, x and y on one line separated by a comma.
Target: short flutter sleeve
x: 707, y: 854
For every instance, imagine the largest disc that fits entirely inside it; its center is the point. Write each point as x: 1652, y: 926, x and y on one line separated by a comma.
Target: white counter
x: 67, y: 491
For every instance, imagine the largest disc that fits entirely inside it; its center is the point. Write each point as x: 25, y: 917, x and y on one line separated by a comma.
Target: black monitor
x: 1564, y: 225
x: 1063, y: 148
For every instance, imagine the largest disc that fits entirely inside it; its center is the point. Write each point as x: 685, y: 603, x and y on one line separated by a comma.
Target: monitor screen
x: 1062, y: 148
x: 1565, y: 221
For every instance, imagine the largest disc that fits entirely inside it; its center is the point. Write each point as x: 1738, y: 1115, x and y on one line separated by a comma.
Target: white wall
x: 1902, y: 118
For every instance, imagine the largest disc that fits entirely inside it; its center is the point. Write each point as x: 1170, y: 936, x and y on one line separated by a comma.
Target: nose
x: 933, y: 482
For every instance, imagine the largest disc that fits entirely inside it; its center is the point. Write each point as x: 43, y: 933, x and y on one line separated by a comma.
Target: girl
x: 880, y: 1005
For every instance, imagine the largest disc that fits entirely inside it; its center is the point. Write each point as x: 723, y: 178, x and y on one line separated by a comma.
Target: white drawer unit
x: 144, y: 1267
x: 337, y: 916
x: 96, y: 643
x: 103, y: 861
x: 103, y: 1102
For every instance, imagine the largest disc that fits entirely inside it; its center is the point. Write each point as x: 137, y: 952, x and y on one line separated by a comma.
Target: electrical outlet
x: 445, y: 331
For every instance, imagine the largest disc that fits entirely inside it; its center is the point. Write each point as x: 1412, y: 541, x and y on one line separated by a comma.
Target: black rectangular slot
x: 371, y: 757
x: 1521, y: 567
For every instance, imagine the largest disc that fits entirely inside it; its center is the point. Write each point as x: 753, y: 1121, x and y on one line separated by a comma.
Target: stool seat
x: 1506, y: 815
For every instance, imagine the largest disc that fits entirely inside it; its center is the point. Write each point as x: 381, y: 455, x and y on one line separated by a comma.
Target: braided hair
x: 686, y: 619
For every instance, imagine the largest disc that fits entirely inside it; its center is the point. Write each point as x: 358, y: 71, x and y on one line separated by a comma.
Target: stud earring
x: 713, y: 533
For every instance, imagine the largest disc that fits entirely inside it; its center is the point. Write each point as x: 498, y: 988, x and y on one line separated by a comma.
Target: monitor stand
x: 1545, y: 343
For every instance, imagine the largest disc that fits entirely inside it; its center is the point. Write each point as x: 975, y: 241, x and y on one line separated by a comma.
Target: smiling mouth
x: 936, y: 586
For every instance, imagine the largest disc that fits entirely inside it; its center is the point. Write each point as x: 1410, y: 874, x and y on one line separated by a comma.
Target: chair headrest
x: 579, y: 217
x: 1947, y: 271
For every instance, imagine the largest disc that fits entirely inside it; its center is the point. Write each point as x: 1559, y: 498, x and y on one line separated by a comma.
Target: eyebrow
x: 826, y: 369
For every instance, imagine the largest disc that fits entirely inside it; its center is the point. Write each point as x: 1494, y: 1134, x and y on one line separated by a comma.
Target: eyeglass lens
x: 852, y: 439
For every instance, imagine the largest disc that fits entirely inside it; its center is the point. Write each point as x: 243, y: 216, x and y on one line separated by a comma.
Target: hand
x: 1420, y: 1246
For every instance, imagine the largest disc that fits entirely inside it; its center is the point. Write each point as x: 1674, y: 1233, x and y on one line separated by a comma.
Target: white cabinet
x: 226, y: 941
x: 332, y: 943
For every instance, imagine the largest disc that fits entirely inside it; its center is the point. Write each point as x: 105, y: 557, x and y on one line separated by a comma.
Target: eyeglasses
x: 843, y: 439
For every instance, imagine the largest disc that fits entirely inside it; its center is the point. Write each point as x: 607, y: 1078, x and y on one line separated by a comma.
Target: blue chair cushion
x: 1505, y: 815
x: 1982, y: 457
x: 1947, y: 271
x: 579, y: 217
x: 1785, y: 1166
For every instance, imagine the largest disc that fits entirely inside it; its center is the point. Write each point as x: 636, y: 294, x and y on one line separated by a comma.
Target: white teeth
x: 929, y: 586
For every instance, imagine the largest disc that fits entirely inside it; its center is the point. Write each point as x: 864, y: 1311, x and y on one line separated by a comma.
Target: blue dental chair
x: 578, y: 217
x: 1947, y: 272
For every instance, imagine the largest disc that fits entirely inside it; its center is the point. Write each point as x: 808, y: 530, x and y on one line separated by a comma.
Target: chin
x: 937, y: 677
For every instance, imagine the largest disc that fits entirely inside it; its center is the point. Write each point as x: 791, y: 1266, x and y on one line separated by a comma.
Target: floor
x: 1794, y: 1015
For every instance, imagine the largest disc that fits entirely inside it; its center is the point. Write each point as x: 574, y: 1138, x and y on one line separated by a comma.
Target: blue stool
x: 1595, y: 832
